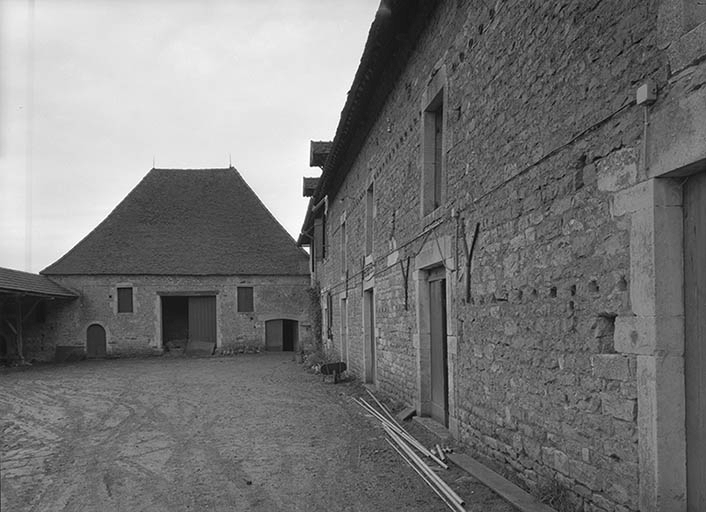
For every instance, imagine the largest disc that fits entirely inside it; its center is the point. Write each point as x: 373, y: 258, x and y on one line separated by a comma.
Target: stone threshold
x: 510, y: 492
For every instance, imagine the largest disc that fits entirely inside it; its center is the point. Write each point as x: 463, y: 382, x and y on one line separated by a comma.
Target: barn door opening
x: 95, y: 341
x: 281, y: 335
x: 189, y: 322
x: 695, y: 339
x: 438, y: 355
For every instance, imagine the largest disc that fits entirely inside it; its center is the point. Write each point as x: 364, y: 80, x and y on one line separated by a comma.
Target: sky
x: 93, y: 92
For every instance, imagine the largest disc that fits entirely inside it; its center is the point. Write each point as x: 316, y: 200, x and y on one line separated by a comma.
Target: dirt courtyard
x: 252, y: 432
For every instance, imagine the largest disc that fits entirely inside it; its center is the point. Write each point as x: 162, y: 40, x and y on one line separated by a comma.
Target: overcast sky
x: 106, y: 86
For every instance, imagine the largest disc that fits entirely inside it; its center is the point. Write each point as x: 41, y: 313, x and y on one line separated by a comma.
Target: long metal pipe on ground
x: 446, y: 499
x: 426, y: 469
x: 365, y: 405
x: 403, y: 433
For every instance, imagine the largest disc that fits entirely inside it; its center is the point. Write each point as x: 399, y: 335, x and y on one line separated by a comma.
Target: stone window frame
x: 370, y: 214
x: 434, y: 99
x: 344, y: 245
x: 118, y: 302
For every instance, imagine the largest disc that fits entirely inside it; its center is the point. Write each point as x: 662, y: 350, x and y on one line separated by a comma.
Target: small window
x: 329, y: 316
x: 369, y: 219
x: 344, y: 242
x: 124, y: 300
x: 434, y: 135
x: 433, y: 167
x: 320, y: 237
x: 245, y: 299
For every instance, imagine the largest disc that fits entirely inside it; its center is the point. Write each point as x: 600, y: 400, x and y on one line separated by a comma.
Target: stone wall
x: 542, y: 139
x: 140, y: 332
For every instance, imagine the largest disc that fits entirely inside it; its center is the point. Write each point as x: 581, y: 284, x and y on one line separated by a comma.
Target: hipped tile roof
x: 17, y: 282
x: 187, y: 222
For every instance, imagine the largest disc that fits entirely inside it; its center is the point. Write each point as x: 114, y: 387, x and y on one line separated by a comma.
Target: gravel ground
x: 253, y: 432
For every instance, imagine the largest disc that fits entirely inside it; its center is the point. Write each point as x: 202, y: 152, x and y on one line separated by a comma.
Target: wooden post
x: 18, y: 326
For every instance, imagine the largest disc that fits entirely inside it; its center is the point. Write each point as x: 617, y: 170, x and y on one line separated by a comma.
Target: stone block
x: 687, y: 49
x: 617, y: 171
x: 618, y: 407
x: 676, y: 134
x: 586, y: 474
x: 561, y: 462
x: 648, y: 335
x: 611, y: 366
x: 633, y: 199
x: 660, y: 421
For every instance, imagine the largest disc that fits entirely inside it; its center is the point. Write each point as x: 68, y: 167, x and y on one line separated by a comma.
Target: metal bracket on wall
x: 405, y: 277
x: 468, y: 253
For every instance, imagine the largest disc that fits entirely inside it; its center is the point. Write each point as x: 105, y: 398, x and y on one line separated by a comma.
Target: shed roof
x: 16, y: 282
x: 187, y: 222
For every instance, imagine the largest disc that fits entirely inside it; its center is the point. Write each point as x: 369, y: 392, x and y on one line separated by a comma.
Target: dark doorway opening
x: 188, y: 321
x: 281, y: 335
x: 175, y: 320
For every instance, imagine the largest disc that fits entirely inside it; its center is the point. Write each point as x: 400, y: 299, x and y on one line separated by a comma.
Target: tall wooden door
x: 370, y: 348
x: 290, y: 334
x: 438, y: 356
x: 95, y: 341
x: 274, y: 332
x: 202, y: 319
x: 695, y: 339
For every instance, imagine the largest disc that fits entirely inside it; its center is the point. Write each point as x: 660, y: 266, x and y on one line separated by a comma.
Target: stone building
x: 190, y: 258
x: 509, y: 235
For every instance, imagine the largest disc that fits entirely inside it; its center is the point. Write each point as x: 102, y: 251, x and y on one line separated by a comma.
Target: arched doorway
x: 281, y: 335
x: 95, y: 341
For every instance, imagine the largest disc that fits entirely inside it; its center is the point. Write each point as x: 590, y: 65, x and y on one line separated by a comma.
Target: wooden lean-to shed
x: 26, y: 301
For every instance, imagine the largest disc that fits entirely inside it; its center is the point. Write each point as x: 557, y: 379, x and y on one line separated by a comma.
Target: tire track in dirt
x: 250, y: 433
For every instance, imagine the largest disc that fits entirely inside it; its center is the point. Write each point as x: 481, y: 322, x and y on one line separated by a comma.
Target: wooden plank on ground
x: 501, y: 486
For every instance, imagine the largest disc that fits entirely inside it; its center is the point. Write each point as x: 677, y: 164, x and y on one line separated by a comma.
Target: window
x: 369, y: 218
x: 344, y: 241
x: 320, y: 238
x: 125, y: 300
x: 245, y: 299
x: 329, y: 316
x: 433, y: 151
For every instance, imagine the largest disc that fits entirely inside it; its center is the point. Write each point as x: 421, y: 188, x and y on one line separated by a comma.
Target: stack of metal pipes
x: 405, y: 445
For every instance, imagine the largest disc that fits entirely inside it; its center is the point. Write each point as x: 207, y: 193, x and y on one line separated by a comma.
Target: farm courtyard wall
x: 545, y: 148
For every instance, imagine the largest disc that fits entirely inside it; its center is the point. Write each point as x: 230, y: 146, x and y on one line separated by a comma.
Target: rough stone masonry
x: 565, y: 358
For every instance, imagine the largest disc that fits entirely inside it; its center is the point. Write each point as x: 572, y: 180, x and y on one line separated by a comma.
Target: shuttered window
x: 124, y: 300
x: 245, y: 299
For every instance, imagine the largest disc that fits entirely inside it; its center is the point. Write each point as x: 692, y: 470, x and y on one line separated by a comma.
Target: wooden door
x: 438, y: 356
x: 95, y: 341
x: 289, y: 334
x: 370, y: 348
x: 274, y: 332
x: 202, y: 319
x: 695, y: 339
